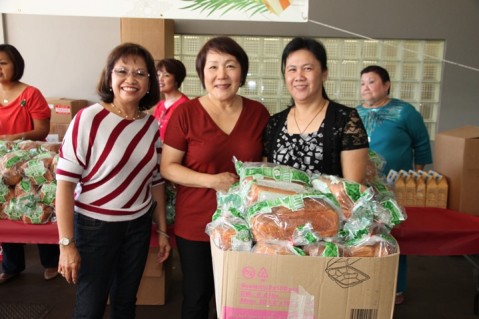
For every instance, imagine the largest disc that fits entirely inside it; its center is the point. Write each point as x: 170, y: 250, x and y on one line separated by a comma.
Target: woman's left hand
x: 69, y: 263
x: 222, y: 182
x: 164, y: 248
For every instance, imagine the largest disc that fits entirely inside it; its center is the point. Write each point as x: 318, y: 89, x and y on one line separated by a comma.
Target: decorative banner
x: 230, y: 10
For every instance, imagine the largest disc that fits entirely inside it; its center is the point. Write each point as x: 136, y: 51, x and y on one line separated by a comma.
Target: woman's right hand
x: 6, y: 138
x: 222, y: 182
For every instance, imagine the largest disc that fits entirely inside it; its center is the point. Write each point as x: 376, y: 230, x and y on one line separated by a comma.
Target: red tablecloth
x: 427, y: 231
x: 19, y: 232
x: 437, y: 231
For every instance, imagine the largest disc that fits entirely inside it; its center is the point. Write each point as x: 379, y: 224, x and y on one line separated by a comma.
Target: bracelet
x: 162, y: 233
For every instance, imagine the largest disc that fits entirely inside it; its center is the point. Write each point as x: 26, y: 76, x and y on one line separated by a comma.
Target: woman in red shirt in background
x: 171, y: 73
x: 24, y: 114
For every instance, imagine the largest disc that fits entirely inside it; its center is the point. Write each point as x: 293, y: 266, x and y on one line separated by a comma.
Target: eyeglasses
x: 139, y: 74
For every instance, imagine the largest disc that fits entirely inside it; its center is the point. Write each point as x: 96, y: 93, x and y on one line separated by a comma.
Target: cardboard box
x: 151, y: 291
x: 63, y: 110
x: 254, y: 286
x: 152, y: 285
x: 456, y: 154
x: 57, y: 132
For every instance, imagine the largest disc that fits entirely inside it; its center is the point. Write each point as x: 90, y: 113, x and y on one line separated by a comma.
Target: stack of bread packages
x: 277, y: 209
x: 27, y: 180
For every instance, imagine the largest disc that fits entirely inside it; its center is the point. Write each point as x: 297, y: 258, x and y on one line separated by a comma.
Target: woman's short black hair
x: 382, y: 72
x: 313, y: 46
x: 222, y: 44
x: 123, y: 51
x: 175, y: 67
x: 17, y: 60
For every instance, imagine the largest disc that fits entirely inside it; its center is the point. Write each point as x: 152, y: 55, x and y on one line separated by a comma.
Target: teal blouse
x: 397, y: 132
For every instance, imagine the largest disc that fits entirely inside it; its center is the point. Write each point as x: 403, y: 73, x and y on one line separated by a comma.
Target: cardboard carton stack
x: 62, y: 112
x: 152, y: 285
x: 456, y: 154
x: 419, y: 188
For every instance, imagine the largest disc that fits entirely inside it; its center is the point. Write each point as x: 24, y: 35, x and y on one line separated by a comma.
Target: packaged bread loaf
x: 228, y: 229
x: 280, y: 173
x: 25, y: 188
x: 13, y: 210
x: 50, y: 147
x: 27, y: 145
x: 37, y: 214
x: 5, y: 147
x: 38, y: 169
x: 370, y: 213
x: 10, y: 164
x: 277, y: 247
x: 229, y: 203
x: 278, y: 219
x: 6, y: 194
x: 47, y: 193
x: 324, y: 249
x: 346, y: 192
x: 266, y: 181
x: 230, y: 233
x: 372, y: 246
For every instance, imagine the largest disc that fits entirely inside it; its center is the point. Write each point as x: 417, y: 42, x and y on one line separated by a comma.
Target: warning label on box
x: 63, y: 109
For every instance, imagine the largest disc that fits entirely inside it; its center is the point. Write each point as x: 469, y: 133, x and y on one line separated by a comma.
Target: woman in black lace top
x: 315, y: 134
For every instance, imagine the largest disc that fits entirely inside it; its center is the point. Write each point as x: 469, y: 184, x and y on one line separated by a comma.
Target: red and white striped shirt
x: 114, y: 161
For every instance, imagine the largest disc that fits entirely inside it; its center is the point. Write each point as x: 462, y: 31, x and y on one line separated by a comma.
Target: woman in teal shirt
x: 397, y: 132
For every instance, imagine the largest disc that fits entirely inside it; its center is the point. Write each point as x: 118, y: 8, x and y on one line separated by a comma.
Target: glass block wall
x: 415, y: 67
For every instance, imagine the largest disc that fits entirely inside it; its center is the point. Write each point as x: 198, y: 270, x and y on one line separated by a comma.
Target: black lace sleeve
x: 268, y: 132
x: 354, y: 133
x: 271, y: 133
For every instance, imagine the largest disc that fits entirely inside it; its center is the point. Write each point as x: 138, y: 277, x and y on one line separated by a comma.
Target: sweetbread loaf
x: 38, y: 169
x: 10, y: 165
x: 373, y: 246
x: 325, y: 249
x: 28, y: 145
x: 346, y: 192
x: 281, y: 222
x: 37, y: 214
x: 50, y: 146
x: 6, y: 194
x: 261, y: 181
x: 231, y: 237
x: 374, y: 250
x: 262, y: 191
x: 276, y: 248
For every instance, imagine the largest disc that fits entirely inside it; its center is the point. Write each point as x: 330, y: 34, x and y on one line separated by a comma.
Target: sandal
x: 4, y: 277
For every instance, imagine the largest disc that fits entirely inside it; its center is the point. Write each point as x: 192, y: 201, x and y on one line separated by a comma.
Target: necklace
x: 135, y: 117
x: 295, y: 121
x: 379, y: 103
x: 9, y: 93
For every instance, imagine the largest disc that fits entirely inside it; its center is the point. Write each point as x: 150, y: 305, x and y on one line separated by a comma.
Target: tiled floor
x: 439, y: 288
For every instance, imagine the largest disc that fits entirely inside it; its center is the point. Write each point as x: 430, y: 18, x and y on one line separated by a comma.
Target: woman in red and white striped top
x: 109, y: 187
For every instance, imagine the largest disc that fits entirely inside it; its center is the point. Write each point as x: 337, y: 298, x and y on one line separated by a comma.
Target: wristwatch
x: 66, y: 241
